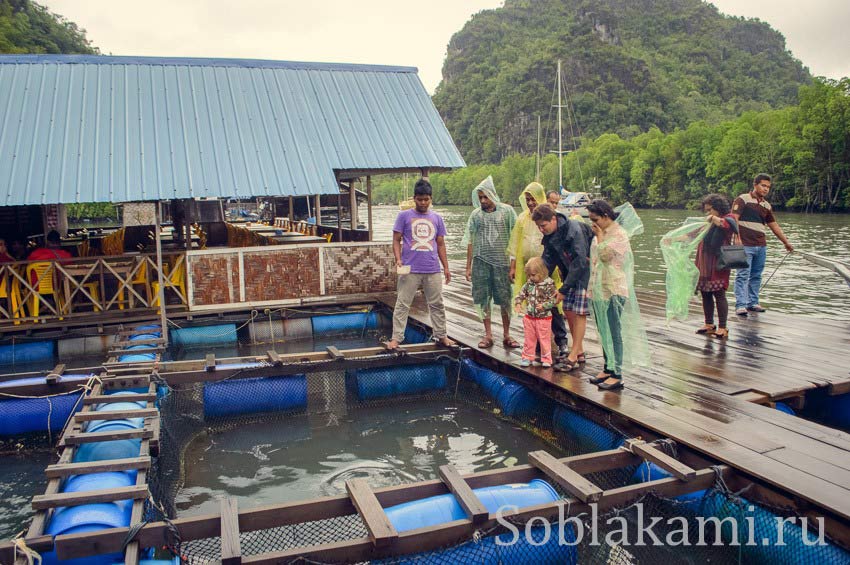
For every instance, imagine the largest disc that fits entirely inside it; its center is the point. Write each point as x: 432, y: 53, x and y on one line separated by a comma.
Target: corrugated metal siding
x: 113, y: 129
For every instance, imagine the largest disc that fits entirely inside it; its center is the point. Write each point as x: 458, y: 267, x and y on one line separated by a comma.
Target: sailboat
x: 571, y: 202
x: 406, y: 203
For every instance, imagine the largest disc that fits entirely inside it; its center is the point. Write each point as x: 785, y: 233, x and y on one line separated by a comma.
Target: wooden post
x: 369, y: 203
x: 163, y: 321
x: 339, y: 215
x: 352, y: 204
x: 317, y: 207
x: 231, y: 551
x: 424, y: 171
x: 291, y: 210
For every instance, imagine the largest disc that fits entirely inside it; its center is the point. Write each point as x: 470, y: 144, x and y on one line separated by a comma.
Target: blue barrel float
x: 445, y: 508
x: 589, y: 435
x: 38, y: 414
x: 386, y: 382
x: 200, y: 336
x: 114, y: 449
x: 254, y: 395
x: 341, y: 323
x: 27, y: 352
x: 514, y: 399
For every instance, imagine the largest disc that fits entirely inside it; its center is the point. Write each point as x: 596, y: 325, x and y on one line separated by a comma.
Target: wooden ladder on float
x: 73, y: 436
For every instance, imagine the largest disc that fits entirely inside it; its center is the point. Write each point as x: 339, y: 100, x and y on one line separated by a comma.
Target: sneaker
x: 563, y: 350
x: 741, y: 311
x: 756, y: 308
x: 535, y: 363
x: 525, y: 363
x: 546, y: 365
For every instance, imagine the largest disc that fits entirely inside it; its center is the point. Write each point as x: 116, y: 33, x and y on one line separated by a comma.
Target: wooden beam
x: 381, y: 531
x: 45, y: 501
x: 231, y: 551
x: 107, y: 398
x: 574, y: 483
x: 669, y: 464
x: 317, y: 209
x: 335, y: 353
x: 54, y: 375
x: 77, y: 439
x: 60, y: 470
x: 369, y: 204
x: 352, y: 205
x: 274, y: 358
x: 209, y: 363
x: 115, y: 414
x: 472, y: 506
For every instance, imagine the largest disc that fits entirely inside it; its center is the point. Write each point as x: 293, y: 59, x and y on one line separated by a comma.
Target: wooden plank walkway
x: 698, y: 389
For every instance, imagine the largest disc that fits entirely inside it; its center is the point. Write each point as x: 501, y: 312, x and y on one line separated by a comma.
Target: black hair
x: 553, y: 192
x: 602, y: 208
x: 717, y: 201
x: 543, y: 212
x: 422, y: 188
x: 760, y: 177
x: 53, y: 237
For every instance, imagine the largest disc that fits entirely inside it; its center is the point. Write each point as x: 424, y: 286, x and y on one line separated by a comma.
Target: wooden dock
x: 704, y: 393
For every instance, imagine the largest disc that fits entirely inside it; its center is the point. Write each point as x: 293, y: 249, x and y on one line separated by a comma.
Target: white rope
x: 21, y: 549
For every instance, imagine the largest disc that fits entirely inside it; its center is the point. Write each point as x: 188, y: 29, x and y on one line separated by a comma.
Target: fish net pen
x: 294, y: 404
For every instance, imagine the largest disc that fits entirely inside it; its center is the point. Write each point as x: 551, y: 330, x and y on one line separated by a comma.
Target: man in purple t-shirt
x: 419, y: 248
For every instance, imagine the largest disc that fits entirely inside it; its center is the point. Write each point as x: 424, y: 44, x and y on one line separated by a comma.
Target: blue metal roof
x: 114, y: 129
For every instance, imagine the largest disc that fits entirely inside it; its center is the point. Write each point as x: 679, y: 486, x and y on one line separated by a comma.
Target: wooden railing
x: 86, y: 287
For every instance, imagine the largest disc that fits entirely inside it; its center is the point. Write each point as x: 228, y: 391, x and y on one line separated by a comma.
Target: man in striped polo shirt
x: 754, y: 215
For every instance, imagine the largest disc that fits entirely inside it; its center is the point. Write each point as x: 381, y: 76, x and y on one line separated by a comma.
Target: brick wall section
x: 352, y: 270
x: 279, y: 275
x: 215, y: 279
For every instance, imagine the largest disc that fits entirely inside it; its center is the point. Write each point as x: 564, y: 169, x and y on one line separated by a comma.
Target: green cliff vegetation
x: 632, y: 66
x: 27, y: 27
x: 806, y: 147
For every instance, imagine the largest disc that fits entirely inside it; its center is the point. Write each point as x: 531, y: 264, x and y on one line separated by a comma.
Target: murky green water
x: 21, y: 478
x: 272, y: 462
x: 797, y: 287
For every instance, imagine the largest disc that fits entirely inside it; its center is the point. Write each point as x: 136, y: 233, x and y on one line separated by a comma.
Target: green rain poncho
x: 526, y: 240
x: 612, y: 294
x: 678, y: 247
x: 489, y: 232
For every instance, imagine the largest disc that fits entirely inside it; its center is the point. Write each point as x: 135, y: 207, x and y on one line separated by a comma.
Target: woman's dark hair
x: 602, y: 208
x: 718, y: 202
x: 422, y: 188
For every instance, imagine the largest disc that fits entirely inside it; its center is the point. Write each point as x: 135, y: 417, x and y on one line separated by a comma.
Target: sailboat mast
x: 560, y: 140
x: 537, y: 177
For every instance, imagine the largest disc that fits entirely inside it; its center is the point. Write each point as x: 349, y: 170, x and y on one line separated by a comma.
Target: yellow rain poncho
x: 526, y: 239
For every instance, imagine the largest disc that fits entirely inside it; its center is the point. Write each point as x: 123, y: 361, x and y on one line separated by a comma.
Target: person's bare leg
x: 506, y: 324
x: 578, y: 329
x: 570, y: 316
x: 488, y: 330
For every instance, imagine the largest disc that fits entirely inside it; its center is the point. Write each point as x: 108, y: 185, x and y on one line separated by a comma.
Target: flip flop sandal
x: 485, y: 343
x: 581, y: 358
x: 510, y: 343
x: 722, y: 333
x: 707, y: 329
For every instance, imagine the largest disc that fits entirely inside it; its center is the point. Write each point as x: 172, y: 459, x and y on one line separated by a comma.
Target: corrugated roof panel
x: 93, y: 129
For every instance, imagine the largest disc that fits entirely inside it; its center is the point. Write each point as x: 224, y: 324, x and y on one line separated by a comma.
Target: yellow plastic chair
x: 329, y: 236
x: 141, y: 279
x: 42, y: 272
x: 11, y: 290
x: 176, y: 279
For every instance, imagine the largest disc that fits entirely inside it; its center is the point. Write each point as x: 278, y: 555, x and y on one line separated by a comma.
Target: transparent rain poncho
x: 678, y: 247
x: 489, y: 232
x: 526, y: 240
x: 612, y: 294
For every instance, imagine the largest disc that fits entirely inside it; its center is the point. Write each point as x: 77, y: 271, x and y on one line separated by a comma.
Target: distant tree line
x: 806, y: 148
x: 28, y: 27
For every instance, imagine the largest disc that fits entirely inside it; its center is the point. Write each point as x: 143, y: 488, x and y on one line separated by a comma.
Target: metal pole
x: 537, y: 155
x: 369, y: 201
x: 560, y: 150
x: 163, y: 321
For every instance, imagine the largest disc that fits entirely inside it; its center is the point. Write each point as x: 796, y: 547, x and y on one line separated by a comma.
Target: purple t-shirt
x: 419, y: 240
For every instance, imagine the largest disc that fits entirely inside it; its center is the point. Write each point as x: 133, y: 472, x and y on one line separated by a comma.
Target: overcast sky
x: 390, y: 32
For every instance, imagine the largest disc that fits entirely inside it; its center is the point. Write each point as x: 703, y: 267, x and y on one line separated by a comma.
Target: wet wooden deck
x: 703, y: 392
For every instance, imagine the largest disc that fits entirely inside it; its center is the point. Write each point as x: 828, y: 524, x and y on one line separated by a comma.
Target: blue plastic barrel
x: 339, y: 323
x: 255, y: 395
x: 28, y: 415
x: 98, y: 481
x: 648, y: 471
x: 204, y: 335
x: 145, y: 327
x: 27, y: 352
x: 589, y: 435
x: 137, y: 357
x: 413, y: 334
x: 838, y: 411
x: 395, y: 381
x: 144, y: 336
x: 782, y: 407
x: 113, y: 449
x: 445, y: 508
x: 123, y: 423
x: 83, y: 519
x: 249, y: 365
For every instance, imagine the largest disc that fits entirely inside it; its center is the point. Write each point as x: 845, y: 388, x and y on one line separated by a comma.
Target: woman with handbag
x: 713, y: 277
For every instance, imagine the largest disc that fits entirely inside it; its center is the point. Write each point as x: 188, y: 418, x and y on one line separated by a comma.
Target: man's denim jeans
x: 748, y: 281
